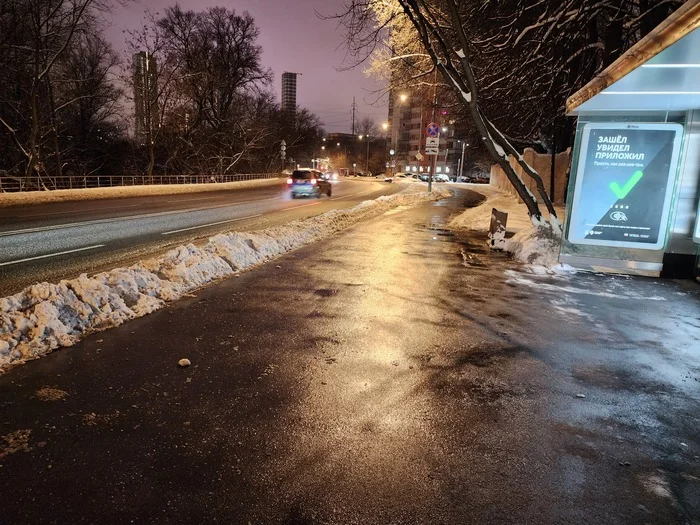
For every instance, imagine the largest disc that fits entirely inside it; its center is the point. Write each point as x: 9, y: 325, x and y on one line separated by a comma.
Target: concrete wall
x: 542, y: 163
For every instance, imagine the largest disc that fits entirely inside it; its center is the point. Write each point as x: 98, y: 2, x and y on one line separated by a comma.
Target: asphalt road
x: 392, y: 374
x: 54, y: 241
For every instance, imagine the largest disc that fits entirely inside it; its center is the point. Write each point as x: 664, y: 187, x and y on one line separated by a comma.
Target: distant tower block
x: 145, y: 71
x: 289, y: 91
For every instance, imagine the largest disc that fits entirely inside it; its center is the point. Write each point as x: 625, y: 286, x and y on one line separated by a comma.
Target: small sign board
x: 497, y: 229
x: 432, y: 145
x: 433, y: 130
x: 419, y: 156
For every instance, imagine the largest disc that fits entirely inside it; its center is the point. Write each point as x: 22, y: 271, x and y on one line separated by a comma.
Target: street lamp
x: 367, y: 159
x: 461, y: 164
x: 403, y: 97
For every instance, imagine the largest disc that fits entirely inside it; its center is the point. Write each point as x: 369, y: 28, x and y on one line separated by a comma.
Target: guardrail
x: 9, y: 183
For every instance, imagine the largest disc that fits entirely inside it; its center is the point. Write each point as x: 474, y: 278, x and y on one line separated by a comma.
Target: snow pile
x: 47, y: 316
x: 537, y: 246
x: 81, y: 194
x: 479, y: 217
x: 534, y: 244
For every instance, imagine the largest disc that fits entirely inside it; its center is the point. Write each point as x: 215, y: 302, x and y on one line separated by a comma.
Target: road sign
x: 433, y: 130
x: 432, y: 145
x: 419, y: 156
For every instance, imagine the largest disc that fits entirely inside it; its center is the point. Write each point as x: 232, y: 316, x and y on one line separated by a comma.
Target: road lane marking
x: 77, y: 211
x: 51, y: 255
x: 302, y: 206
x: 211, y: 224
x: 111, y: 219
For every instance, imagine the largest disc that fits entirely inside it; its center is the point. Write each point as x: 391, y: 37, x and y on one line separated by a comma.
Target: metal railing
x: 13, y: 184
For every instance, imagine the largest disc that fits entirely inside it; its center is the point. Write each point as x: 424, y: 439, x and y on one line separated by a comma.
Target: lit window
x: 439, y: 169
x: 447, y: 169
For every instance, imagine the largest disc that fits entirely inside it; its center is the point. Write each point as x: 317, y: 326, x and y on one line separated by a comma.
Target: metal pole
x: 367, y: 161
x: 461, y: 166
x: 554, y: 162
x: 432, y: 171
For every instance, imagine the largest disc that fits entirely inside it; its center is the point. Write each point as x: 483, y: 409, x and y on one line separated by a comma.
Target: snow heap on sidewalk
x: 534, y: 244
x: 47, y: 316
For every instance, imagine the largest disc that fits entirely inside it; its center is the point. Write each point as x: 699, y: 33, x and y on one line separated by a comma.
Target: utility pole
x: 461, y: 166
x: 354, y: 107
x: 434, y: 163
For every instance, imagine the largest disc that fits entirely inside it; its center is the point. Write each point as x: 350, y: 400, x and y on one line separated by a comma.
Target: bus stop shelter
x: 635, y: 175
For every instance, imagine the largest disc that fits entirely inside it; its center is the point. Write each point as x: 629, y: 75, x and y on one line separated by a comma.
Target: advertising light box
x: 624, y: 184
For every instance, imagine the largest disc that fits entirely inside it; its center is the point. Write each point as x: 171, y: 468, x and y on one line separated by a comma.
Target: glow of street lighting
x: 337, y: 144
x: 403, y: 97
x: 360, y: 137
x: 385, y: 125
x: 444, y: 129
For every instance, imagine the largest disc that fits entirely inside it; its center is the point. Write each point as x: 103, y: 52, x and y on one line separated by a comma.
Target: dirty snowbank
x: 40, y: 197
x: 45, y: 316
x: 537, y: 246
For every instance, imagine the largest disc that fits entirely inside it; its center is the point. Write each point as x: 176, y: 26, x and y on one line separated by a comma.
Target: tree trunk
x: 54, y: 126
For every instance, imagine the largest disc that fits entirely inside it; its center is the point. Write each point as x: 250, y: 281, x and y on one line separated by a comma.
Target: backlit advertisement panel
x: 624, y: 184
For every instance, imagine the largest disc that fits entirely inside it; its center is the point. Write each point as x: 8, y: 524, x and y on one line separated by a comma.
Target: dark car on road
x: 308, y: 183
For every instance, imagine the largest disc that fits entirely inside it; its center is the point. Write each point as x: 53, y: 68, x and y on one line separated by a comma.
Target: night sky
x: 293, y: 39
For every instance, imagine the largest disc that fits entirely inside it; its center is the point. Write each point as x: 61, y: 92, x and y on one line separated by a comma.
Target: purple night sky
x: 293, y: 39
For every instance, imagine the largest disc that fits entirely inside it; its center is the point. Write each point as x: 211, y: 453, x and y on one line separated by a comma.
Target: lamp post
x: 367, y: 159
x: 461, y: 165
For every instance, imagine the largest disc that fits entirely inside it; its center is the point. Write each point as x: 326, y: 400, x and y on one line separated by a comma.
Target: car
x: 441, y: 178
x: 402, y: 176
x: 308, y: 183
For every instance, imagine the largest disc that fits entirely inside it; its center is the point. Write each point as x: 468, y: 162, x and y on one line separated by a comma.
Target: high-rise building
x: 409, y: 115
x: 145, y: 72
x: 289, y: 91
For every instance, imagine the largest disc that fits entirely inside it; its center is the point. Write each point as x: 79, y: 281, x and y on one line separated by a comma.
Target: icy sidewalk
x: 47, y: 316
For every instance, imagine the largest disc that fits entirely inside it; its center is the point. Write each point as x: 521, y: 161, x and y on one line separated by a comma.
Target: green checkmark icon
x: 621, y: 193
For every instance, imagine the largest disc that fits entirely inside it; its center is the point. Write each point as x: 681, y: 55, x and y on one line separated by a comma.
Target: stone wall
x: 542, y: 163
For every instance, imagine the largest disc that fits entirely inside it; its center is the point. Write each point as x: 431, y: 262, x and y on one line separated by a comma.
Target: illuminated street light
x: 403, y: 97
x: 367, y: 159
x: 385, y: 126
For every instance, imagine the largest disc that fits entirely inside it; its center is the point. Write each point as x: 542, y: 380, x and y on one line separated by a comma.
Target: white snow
x: 518, y: 278
x: 45, y: 316
x: 534, y: 244
x: 38, y: 197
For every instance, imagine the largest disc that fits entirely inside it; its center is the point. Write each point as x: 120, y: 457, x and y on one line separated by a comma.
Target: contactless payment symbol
x: 621, y: 192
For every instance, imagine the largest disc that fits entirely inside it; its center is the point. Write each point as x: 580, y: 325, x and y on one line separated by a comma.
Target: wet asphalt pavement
x: 393, y: 374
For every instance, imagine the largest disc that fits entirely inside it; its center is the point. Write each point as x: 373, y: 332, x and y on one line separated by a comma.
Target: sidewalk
x: 396, y: 372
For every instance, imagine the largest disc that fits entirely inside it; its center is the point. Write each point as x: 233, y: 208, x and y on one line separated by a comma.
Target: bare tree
x: 513, y: 61
x: 37, y: 37
x: 440, y: 29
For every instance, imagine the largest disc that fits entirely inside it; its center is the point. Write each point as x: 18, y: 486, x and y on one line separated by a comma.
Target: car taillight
x: 290, y: 181
x: 313, y: 181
